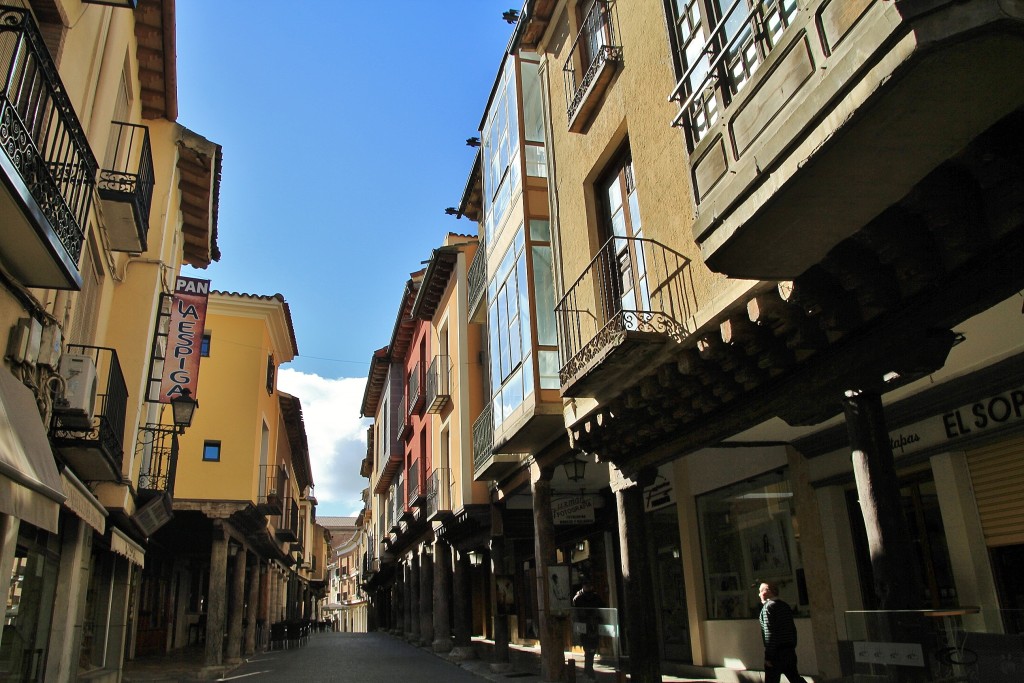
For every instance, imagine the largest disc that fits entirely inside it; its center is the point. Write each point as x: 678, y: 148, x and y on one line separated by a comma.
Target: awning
x: 81, y: 501
x: 30, y: 488
x: 121, y: 544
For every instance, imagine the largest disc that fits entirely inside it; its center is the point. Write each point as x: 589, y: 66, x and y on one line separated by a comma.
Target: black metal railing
x: 128, y: 173
x: 397, y: 503
x: 596, y: 44
x: 157, y: 450
x: 288, y: 520
x: 273, y: 484
x: 483, y: 437
x: 439, y: 492
x: 415, y: 394
x: 477, y: 277
x: 93, y: 421
x: 40, y: 131
x: 414, y: 482
x: 738, y: 44
x: 439, y: 377
x: 631, y: 285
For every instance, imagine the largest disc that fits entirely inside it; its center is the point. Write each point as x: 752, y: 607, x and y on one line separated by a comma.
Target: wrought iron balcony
x: 415, y: 488
x: 439, y: 377
x: 439, y: 495
x: 157, y: 450
x: 487, y: 464
x: 288, y: 522
x: 87, y: 428
x: 634, y: 297
x: 477, y: 278
x: 273, y: 484
x: 416, y: 395
x: 592, y: 62
x: 126, y: 187
x: 46, y: 165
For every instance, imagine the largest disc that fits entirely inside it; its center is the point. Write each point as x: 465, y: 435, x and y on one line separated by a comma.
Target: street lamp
x: 183, y: 408
x: 574, y: 469
x: 476, y: 558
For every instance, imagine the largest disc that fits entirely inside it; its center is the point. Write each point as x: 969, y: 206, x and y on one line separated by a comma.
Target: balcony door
x: 625, y: 263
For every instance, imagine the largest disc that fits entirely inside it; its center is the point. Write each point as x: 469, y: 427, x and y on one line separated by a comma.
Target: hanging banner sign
x: 572, y: 510
x: 184, y: 338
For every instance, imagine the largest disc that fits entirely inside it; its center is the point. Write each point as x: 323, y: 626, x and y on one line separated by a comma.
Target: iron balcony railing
x: 416, y: 394
x: 288, y: 521
x: 128, y: 177
x: 632, y: 285
x: 397, y: 503
x: 483, y: 437
x: 273, y: 484
x: 596, y: 44
x: 88, y: 422
x: 414, y: 483
x: 439, y: 492
x: 713, y: 73
x: 477, y: 277
x: 157, y: 450
x: 40, y: 133
x: 439, y: 378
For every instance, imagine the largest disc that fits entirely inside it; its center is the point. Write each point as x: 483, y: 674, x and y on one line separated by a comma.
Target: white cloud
x: 336, y: 436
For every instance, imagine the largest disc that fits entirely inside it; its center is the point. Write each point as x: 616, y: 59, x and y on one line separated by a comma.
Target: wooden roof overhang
x: 199, y: 169
x: 157, y: 55
x: 471, y: 205
x: 885, y: 300
x: 379, y: 364
x: 533, y: 22
x: 435, y: 279
x: 291, y: 411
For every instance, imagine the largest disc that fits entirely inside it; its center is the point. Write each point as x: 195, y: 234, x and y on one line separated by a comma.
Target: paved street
x: 356, y: 657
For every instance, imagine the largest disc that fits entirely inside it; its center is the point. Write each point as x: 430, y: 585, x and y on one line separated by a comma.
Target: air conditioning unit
x: 79, y: 373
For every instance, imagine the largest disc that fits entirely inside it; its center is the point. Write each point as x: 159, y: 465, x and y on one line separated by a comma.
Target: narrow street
x: 357, y: 657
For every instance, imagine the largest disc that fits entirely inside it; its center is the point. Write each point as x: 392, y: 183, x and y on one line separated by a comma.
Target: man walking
x: 779, y: 634
x: 587, y: 604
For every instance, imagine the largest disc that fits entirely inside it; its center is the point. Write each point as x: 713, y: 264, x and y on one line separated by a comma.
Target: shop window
x: 749, y: 534
x: 29, y: 609
x: 920, y: 502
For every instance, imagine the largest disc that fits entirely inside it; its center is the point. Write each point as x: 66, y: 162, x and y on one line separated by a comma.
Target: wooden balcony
x: 802, y: 133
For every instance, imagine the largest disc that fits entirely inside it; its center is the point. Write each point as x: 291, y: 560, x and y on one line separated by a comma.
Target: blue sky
x: 343, y: 125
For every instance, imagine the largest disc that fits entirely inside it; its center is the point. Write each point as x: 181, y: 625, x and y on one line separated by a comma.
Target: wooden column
x: 412, y: 620
x: 442, y: 597
x: 896, y: 585
x: 639, y: 613
x: 426, y: 596
x: 462, y: 590
x: 216, y: 604
x: 500, y: 661
x: 398, y: 600
x: 549, y: 628
x: 251, y: 607
x: 234, y: 650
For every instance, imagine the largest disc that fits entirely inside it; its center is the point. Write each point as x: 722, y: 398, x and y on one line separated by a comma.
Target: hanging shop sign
x: 184, y: 338
x: 572, y: 510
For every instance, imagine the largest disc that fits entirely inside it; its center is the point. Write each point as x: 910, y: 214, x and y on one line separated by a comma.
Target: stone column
x: 639, y: 618
x: 216, y: 604
x: 397, y: 598
x: 878, y: 489
x: 69, y: 601
x: 234, y: 650
x: 251, y: 608
x: 442, y: 596
x: 406, y: 598
x: 263, y: 614
x: 8, y: 545
x: 462, y: 591
x: 426, y: 596
x: 413, y: 634
x: 549, y: 627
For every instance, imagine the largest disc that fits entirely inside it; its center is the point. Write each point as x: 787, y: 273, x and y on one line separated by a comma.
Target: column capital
x: 640, y: 479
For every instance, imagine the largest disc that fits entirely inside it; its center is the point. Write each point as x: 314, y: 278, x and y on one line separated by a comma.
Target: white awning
x: 30, y: 488
x: 121, y: 544
x: 81, y: 501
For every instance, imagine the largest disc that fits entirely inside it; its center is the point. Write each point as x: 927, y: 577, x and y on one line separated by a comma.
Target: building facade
x: 107, y: 197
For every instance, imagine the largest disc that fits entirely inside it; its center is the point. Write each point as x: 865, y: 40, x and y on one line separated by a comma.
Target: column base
x: 442, y: 645
x: 500, y: 667
x: 462, y: 653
